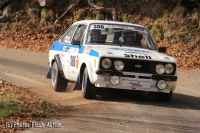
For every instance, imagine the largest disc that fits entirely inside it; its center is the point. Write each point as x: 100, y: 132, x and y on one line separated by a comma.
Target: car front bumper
x: 136, y: 81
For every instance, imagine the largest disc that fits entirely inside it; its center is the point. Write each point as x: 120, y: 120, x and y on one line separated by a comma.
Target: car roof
x: 106, y: 22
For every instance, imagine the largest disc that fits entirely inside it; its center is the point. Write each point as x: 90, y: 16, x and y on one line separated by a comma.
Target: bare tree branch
x: 196, y: 2
x: 95, y: 6
x: 67, y: 11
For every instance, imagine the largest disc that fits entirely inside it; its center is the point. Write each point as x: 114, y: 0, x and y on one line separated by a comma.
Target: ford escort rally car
x: 108, y: 54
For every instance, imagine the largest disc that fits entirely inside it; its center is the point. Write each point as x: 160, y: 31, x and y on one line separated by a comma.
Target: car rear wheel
x: 58, y: 82
x: 165, y: 97
x: 88, y: 89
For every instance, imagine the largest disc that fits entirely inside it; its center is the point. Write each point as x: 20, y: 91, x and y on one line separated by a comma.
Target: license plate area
x: 136, y: 84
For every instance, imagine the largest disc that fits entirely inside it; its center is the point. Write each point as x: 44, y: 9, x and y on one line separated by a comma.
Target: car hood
x: 131, y: 53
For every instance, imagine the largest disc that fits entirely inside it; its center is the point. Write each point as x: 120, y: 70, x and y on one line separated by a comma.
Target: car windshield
x: 122, y: 35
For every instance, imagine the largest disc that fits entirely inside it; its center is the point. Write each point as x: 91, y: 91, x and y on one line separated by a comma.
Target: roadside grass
x: 8, y: 108
x: 20, y: 105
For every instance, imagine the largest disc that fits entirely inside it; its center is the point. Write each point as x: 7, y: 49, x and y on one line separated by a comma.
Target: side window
x: 68, y: 36
x: 78, y: 36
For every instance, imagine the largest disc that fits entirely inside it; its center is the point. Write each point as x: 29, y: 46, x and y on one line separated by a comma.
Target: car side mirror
x: 75, y: 42
x: 162, y: 49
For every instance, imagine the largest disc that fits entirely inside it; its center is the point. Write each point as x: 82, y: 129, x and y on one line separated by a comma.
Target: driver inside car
x: 133, y: 38
x: 129, y: 37
x: 95, y: 36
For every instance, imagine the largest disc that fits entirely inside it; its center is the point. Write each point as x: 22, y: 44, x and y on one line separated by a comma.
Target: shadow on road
x: 179, y: 101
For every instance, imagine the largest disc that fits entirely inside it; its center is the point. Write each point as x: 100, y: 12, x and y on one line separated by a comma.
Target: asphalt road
x: 113, y: 111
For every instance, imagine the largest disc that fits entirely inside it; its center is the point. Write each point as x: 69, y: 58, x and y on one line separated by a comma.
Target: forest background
x: 35, y: 24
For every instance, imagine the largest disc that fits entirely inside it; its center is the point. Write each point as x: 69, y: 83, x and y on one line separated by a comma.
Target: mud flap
x: 48, y: 76
x: 78, y: 84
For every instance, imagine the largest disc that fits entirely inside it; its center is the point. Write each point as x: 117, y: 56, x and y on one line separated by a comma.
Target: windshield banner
x: 104, y: 26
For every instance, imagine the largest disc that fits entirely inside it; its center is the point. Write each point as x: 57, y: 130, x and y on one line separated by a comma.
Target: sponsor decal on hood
x: 137, y: 56
x: 134, y: 53
x: 128, y: 50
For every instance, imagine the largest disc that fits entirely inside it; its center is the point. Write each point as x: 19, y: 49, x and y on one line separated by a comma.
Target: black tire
x: 165, y: 97
x: 58, y: 82
x: 88, y: 89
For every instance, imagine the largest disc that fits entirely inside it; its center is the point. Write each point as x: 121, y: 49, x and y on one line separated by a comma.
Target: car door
x: 64, y: 45
x: 73, y: 57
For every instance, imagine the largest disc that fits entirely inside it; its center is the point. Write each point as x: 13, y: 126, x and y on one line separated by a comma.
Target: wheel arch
x: 90, y: 72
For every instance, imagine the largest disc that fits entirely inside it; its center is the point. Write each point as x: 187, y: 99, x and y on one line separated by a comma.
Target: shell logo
x: 77, y: 61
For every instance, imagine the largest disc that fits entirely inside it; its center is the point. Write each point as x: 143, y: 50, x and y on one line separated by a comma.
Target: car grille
x: 138, y: 66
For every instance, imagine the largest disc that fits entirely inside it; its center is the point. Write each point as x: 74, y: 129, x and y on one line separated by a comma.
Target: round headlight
x: 169, y: 68
x: 106, y: 63
x: 114, y: 80
x: 160, y: 69
x: 119, y: 65
x: 161, y: 84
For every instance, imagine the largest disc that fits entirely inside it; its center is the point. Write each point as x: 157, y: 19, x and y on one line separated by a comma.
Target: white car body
x: 73, y: 59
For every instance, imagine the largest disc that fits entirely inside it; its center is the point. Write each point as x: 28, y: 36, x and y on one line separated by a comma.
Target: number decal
x: 72, y: 62
x: 98, y: 26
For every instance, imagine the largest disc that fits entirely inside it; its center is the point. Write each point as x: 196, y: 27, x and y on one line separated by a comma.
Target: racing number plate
x: 137, y: 84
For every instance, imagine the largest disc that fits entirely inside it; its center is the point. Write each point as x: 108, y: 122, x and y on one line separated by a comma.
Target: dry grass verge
x: 21, y: 106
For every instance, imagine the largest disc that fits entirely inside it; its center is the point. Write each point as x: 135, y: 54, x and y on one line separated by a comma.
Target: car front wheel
x: 58, y: 82
x: 88, y: 89
x: 165, y: 97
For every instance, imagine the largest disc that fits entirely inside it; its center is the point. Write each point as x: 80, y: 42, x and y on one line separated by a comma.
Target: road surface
x: 113, y: 111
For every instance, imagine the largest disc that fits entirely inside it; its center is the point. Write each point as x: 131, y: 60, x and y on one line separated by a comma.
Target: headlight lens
x: 160, y: 69
x: 161, y: 84
x: 119, y: 65
x: 169, y: 68
x: 106, y: 63
x: 114, y: 80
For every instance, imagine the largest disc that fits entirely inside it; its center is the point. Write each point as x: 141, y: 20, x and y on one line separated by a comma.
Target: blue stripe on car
x: 60, y: 47
x: 94, y: 53
x: 131, y: 50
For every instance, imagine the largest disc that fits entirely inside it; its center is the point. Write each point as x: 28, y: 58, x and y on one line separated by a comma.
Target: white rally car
x: 109, y: 54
